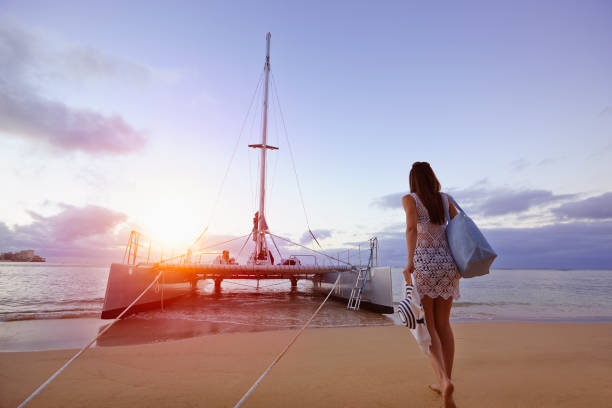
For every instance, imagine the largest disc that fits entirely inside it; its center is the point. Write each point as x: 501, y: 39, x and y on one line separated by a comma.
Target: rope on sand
x: 58, y: 372
x: 282, y: 353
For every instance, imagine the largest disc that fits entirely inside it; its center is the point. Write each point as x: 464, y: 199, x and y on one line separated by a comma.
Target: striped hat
x: 409, y: 312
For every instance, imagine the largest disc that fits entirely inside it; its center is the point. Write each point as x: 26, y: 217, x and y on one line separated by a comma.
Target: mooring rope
x: 58, y: 372
x: 282, y: 353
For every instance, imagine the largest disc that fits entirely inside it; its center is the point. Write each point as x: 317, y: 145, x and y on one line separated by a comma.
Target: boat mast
x: 264, y: 147
x: 261, y: 220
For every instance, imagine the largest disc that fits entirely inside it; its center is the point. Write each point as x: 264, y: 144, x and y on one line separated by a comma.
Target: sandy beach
x: 501, y: 364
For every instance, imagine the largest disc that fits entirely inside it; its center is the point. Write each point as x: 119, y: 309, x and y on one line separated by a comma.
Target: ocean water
x: 532, y: 294
x: 47, y: 306
x: 40, y: 291
x: 32, y: 291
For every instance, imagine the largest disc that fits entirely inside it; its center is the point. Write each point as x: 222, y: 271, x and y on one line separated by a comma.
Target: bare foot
x: 435, y: 388
x: 447, y: 394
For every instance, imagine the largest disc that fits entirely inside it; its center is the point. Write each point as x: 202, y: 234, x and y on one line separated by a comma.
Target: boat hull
x: 126, y: 282
x: 377, y: 294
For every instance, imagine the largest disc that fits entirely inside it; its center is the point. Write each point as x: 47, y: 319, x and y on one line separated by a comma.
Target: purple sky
x: 120, y: 115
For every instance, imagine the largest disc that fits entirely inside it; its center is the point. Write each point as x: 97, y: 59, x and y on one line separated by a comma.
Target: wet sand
x: 498, y: 364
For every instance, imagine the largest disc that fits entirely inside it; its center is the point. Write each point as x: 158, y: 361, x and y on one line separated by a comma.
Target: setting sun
x: 170, y: 223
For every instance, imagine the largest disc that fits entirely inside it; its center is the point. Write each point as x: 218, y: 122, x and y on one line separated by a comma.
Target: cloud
x: 520, y: 164
x: 35, y: 118
x: 26, y: 112
x: 593, y: 208
x: 548, y: 161
x: 576, y: 245
x: 88, y: 63
x: 319, y: 233
x: 605, y: 112
x: 84, y: 233
x: 73, y: 223
x: 389, y: 201
x: 502, y: 201
x: 481, y: 199
x: 94, y: 234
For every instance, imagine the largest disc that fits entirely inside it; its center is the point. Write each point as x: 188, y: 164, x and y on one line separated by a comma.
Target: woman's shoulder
x: 408, y: 199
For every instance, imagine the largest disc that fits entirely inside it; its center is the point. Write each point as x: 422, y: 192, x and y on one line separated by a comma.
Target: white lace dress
x: 435, y: 273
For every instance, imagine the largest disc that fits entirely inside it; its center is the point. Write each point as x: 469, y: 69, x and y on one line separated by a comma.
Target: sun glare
x: 170, y: 223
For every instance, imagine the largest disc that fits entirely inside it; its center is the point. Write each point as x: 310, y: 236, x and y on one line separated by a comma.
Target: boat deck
x: 237, y: 271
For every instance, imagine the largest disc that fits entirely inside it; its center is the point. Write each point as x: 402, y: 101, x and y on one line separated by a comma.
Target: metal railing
x: 136, y: 242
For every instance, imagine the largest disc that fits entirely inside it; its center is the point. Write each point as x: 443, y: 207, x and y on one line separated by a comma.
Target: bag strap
x: 445, y: 204
x: 455, y: 203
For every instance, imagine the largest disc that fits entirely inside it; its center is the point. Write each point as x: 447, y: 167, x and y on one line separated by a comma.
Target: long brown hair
x: 424, y: 182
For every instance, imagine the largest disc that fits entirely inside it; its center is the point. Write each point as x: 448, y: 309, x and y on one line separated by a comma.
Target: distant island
x: 27, y: 255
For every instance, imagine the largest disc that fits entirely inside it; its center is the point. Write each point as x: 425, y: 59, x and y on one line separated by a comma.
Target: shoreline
x: 502, y: 364
x: 34, y: 335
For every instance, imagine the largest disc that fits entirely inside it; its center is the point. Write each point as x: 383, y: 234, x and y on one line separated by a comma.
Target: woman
x: 435, y: 274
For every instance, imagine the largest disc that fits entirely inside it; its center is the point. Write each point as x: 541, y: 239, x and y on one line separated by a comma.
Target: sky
x: 127, y: 115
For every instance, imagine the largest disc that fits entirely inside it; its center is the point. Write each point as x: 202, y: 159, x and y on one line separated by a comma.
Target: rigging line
x: 297, y: 180
x: 59, y: 371
x: 251, y: 184
x: 245, y: 243
x: 250, y: 139
x: 221, y: 243
x: 257, y: 114
x: 276, y: 156
x: 275, y: 246
x: 282, y: 353
x: 202, y: 249
x: 315, y: 238
x: 250, y: 163
x: 313, y: 250
x: 213, y: 213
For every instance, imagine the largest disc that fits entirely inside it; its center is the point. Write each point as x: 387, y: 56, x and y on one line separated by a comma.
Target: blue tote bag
x: 471, y: 251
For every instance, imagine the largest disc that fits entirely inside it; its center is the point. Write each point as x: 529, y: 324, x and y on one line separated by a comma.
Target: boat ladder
x: 355, y: 298
x: 362, y: 276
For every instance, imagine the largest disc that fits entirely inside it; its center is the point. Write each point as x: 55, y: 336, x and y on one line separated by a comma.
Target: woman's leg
x: 442, y: 309
x: 436, y: 355
x: 435, y: 350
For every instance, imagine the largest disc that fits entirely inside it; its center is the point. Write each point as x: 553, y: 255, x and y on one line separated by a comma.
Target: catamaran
x: 367, y: 286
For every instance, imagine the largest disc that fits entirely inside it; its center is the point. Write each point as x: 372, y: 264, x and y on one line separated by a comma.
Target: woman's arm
x: 452, y: 211
x: 411, y: 234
